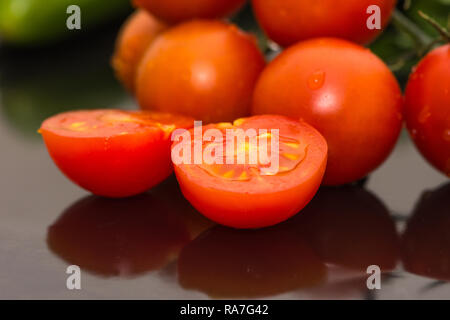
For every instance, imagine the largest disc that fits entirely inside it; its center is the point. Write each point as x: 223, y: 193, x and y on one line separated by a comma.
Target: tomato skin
x: 174, y: 11
x: 345, y: 92
x: 136, y: 35
x: 289, y: 21
x: 204, y: 69
x: 110, y: 165
x: 427, y: 108
x: 252, y: 204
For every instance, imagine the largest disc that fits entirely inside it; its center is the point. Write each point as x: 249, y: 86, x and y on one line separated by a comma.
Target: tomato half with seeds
x: 252, y: 173
x: 427, y: 108
x: 112, y: 153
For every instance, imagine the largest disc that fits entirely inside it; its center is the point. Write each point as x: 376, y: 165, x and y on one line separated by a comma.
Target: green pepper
x: 36, y: 22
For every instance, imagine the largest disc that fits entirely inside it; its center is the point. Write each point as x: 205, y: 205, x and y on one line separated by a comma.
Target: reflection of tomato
x: 351, y: 228
x: 118, y: 237
x: 290, y: 21
x: 135, y: 37
x: 204, y: 69
x: 428, y: 108
x: 112, y: 153
x: 231, y: 263
x: 179, y: 10
x: 345, y: 92
x: 426, y: 241
x: 254, y: 195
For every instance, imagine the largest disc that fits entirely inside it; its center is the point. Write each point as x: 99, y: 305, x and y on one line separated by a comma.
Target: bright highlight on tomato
x: 346, y: 93
x: 428, y: 108
x: 174, y: 11
x: 134, y: 39
x: 243, y: 195
x: 112, y: 153
x: 204, y: 69
x: 289, y: 21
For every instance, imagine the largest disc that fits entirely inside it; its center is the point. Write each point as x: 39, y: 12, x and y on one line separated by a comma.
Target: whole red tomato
x: 345, y: 92
x: 290, y: 21
x: 205, y: 69
x: 135, y: 37
x: 178, y: 10
x: 428, y: 108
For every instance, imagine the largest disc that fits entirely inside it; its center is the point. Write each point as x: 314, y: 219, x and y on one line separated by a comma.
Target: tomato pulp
x: 245, y: 194
x: 428, y: 108
x: 346, y: 93
x: 110, y: 152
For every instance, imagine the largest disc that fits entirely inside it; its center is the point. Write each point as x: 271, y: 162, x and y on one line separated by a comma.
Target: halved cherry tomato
x: 289, y: 21
x: 249, y: 263
x: 135, y: 37
x: 344, y: 91
x: 428, y: 108
x: 110, y: 152
x: 178, y: 10
x: 204, y: 69
x: 245, y: 194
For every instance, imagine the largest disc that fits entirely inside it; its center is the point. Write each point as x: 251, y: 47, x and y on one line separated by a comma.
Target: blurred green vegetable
x: 34, y: 22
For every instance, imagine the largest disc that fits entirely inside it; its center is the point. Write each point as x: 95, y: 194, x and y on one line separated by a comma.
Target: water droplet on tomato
x: 424, y: 114
x: 316, y: 80
x: 446, y: 135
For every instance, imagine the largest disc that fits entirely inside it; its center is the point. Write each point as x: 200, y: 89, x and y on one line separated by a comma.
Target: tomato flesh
x: 428, y: 108
x: 252, y: 196
x: 112, y: 153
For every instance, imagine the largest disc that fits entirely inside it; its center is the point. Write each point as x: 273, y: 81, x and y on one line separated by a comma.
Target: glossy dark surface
x: 157, y: 247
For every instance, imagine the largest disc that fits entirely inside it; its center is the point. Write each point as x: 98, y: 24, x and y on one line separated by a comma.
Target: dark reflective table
x: 156, y: 246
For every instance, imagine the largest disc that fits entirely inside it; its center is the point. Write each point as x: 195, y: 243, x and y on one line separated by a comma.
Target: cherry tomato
x: 178, y: 10
x: 135, y: 37
x: 112, y: 153
x: 249, y: 263
x: 345, y: 92
x: 426, y: 240
x: 118, y: 237
x: 289, y: 21
x: 245, y: 194
x: 204, y: 69
x: 351, y: 228
x: 428, y: 108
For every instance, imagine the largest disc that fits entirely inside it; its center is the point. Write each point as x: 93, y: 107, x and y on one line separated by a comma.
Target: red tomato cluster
x: 336, y: 107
